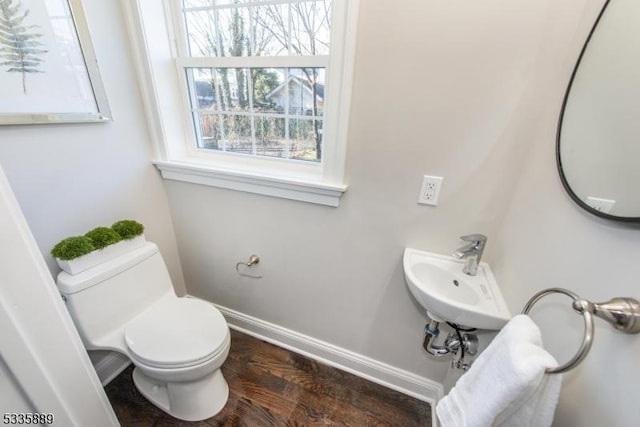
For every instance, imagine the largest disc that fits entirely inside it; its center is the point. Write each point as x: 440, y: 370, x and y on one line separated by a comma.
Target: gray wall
x: 69, y: 179
x: 441, y: 88
x: 470, y: 91
x: 545, y: 240
x: 548, y: 241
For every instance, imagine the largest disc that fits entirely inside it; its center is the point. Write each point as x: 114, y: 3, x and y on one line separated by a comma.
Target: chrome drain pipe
x: 431, y: 332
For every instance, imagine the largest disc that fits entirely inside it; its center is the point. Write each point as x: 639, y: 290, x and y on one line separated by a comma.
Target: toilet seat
x: 176, y: 333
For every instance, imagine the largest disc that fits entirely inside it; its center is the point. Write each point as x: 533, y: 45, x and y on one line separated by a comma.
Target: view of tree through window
x: 257, y: 110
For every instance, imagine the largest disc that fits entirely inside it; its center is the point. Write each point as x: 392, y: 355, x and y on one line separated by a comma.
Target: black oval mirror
x: 598, y: 139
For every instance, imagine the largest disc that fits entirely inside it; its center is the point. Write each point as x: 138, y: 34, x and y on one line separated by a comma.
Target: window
x: 258, y: 94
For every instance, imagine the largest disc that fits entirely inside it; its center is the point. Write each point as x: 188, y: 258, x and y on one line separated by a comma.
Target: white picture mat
x: 63, y: 85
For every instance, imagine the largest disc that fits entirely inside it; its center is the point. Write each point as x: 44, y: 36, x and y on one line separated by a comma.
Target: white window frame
x: 168, y: 109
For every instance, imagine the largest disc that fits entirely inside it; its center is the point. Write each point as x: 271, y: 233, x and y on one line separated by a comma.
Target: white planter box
x: 85, y: 262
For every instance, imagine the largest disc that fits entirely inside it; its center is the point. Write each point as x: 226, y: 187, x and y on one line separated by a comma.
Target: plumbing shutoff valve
x: 456, y: 343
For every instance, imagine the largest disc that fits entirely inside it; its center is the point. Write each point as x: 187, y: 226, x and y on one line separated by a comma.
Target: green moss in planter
x: 72, y: 247
x: 128, y: 228
x: 103, y: 236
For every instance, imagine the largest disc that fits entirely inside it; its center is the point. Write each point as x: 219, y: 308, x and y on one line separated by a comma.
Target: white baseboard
x: 110, y: 366
x: 378, y: 372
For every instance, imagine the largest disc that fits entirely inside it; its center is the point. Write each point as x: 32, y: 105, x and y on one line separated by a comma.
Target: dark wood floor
x: 270, y: 386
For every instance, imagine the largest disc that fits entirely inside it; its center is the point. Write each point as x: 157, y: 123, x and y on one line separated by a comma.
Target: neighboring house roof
x: 279, y: 91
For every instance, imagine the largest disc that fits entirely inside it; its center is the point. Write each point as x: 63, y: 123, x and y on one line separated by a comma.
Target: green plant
x: 103, y: 236
x: 72, y: 247
x: 128, y: 228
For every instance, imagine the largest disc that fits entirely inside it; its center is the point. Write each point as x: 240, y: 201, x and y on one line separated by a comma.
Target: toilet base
x: 189, y: 401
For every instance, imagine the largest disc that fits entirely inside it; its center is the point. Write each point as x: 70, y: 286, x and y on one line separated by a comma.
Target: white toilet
x: 128, y: 305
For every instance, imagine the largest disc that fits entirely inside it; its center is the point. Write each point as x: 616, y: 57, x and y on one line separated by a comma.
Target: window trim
x: 242, y: 180
x: 170, y: 124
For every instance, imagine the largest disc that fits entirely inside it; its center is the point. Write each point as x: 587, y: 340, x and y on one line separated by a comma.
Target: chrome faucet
x: 471, y: 253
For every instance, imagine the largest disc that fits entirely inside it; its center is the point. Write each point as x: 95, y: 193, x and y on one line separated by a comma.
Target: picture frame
x: 48, y: 67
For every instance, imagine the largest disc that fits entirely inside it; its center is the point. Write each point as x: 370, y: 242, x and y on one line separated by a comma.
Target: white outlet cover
x: 430, y: 190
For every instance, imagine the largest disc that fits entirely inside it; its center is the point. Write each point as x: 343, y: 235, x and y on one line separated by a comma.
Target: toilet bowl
x: 177, y: 345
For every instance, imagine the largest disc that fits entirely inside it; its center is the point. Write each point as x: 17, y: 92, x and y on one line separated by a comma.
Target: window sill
x: 253, y: 182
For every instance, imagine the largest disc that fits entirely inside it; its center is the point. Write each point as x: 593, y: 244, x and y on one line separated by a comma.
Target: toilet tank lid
x: 72, y: 283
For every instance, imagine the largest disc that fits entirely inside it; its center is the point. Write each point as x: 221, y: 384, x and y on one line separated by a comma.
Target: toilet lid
x: 176, y: 332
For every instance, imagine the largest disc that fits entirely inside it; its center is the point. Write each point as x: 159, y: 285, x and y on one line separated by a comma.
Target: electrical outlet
x: 430, y: 190
x: 602, y: 205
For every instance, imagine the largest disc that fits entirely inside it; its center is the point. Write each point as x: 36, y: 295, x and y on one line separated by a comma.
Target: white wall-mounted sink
x: 439, y: 285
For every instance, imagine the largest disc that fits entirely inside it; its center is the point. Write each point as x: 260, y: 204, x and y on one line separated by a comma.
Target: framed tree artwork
x: 48, y: 69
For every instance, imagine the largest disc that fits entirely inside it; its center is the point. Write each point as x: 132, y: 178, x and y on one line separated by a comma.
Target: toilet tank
x: 103, y: 299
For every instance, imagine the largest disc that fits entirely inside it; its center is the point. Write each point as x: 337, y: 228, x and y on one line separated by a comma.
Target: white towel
x: 506, y: 385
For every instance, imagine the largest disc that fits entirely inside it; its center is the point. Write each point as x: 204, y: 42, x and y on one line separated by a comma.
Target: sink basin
x: 439, y: 285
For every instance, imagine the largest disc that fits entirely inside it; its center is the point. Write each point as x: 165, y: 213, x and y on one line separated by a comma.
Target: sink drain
x: 455, y: 282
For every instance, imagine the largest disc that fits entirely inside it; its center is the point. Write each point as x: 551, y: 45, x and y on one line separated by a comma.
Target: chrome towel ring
x: 622, y: 313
